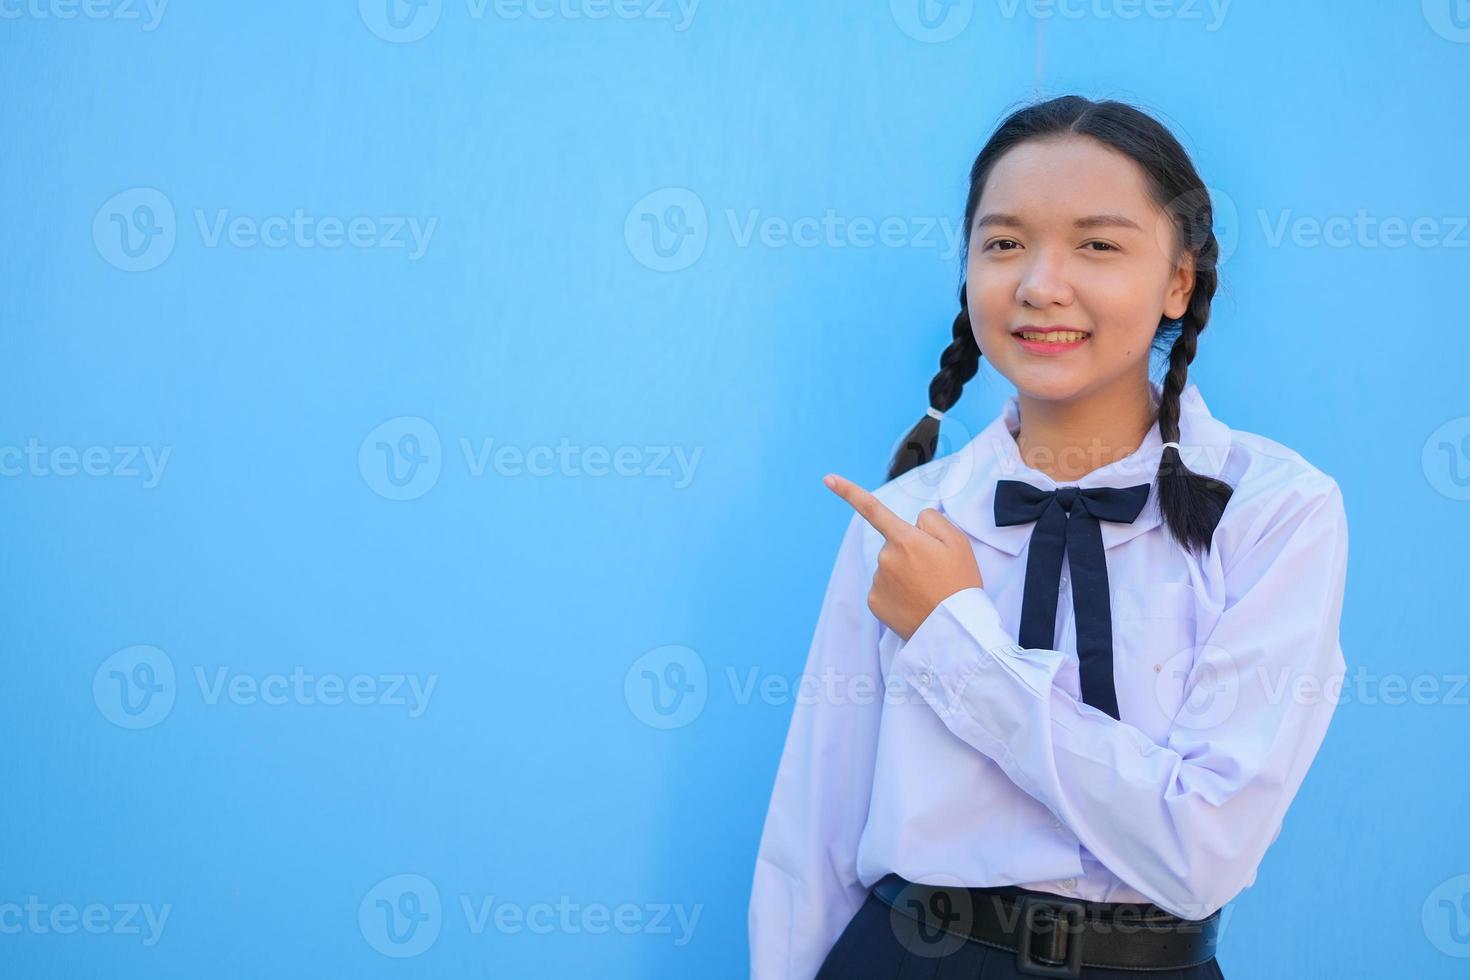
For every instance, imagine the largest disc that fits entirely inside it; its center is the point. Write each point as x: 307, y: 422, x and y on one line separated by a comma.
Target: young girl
x: 1072, y: 675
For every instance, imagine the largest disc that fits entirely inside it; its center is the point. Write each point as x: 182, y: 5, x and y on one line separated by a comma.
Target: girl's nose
x: 1044, y: 283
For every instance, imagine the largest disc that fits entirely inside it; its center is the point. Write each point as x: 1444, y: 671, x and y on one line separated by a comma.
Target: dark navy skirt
x: 881, y: 943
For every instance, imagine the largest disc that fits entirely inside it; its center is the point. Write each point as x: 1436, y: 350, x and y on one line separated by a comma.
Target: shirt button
x: 1069, y: 883
x: 1056, y: 822
x: 925, y: 677
x: 1064, y: 583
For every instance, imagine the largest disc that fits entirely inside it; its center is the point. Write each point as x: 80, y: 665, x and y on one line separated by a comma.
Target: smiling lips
x: 1059, y: 332
x: 1053, y: 336
x: 1050, y: 340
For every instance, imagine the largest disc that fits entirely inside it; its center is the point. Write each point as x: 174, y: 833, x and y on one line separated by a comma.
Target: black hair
x: 1191, y: 502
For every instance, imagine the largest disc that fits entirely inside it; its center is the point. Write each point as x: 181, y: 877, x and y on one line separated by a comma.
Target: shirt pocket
x: 1153, y: 652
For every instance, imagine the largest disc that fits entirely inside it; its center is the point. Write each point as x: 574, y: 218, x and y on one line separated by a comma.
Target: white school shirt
x: 961, y: 758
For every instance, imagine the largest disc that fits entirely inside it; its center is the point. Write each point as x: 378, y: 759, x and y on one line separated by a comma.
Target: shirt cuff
x: 951, y: 645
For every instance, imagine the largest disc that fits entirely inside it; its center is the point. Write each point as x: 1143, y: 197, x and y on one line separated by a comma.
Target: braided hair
x: 1191, y: 503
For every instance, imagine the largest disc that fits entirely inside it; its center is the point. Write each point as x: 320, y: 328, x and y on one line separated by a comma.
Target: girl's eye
x: 995, y: 245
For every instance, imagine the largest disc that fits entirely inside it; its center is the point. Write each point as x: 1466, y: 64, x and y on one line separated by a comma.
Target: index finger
x: 884, y: 521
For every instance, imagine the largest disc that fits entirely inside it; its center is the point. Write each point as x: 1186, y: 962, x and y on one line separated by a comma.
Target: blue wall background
x: 208, y: 704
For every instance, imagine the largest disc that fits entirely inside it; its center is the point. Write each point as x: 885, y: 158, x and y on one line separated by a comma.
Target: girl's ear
x: 1181, y: 287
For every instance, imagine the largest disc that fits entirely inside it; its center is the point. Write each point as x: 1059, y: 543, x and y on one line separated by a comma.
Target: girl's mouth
x: 1050, y: 342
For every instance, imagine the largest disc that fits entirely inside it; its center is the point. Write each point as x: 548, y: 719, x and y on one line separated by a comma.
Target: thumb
x: 932, y: 522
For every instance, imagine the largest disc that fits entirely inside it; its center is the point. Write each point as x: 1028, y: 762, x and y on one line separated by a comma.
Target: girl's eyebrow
x: 1001, y: 219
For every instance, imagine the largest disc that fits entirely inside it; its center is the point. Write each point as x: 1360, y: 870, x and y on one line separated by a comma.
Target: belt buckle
x: 1073, y: 914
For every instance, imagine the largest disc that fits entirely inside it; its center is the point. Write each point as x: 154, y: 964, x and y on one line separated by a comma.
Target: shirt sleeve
x: 1187, y: 822
x: 806, y: 887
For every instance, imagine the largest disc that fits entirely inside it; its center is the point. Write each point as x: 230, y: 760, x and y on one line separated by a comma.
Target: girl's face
x: 1067, y: 235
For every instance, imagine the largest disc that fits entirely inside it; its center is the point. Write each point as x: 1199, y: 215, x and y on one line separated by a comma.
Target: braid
x: 1180, y: 356
x: 957, y: 365
x: 1191, y: 502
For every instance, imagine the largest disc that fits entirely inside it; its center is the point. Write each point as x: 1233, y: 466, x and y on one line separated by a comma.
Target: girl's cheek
x: 988, y: 298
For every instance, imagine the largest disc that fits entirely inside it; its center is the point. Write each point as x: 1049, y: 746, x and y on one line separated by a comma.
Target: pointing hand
x: 920, y: 564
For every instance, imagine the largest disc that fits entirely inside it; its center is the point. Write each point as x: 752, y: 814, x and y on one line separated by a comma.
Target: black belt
x: 1054, y: 936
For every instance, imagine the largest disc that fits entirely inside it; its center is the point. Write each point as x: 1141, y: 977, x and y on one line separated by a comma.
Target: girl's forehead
x: 1051, y: 178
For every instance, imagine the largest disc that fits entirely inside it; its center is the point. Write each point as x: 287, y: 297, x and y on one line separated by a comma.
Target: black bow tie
x: 1081, y: 537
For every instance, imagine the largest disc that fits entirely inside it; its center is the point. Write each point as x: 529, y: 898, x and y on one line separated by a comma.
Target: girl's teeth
x: 1060, y: 337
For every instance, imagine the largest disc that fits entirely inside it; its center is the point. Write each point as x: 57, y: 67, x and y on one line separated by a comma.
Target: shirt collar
x: 993, y: 455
